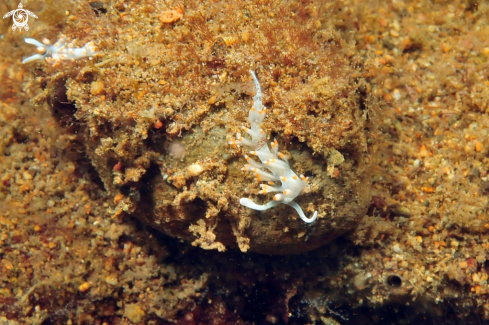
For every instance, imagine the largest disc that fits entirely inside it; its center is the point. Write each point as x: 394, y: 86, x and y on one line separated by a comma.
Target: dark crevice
x: 98, y: 7
x: 394, y: 281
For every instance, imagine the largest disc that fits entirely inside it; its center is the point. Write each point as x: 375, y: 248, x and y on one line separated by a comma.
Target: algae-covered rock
x: 158, y: 105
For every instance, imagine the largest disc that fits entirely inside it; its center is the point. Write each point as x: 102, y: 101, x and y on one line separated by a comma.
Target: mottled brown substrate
x: 419, y: 256
x: 158, y: 105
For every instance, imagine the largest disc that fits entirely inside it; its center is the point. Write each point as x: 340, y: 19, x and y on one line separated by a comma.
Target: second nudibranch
x: 61, y: 50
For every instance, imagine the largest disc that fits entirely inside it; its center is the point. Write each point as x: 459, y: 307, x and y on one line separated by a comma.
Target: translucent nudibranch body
x: 61, y: 50
x: 274, y: 167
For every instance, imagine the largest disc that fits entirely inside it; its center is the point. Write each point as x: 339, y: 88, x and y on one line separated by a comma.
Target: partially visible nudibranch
x: 61, y: 50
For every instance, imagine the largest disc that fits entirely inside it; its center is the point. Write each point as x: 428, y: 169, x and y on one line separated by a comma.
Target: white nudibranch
x: 274, y: 167
x: 61, y: 50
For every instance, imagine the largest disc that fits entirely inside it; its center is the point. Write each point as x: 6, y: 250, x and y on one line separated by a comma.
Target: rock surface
x: 159, y: 103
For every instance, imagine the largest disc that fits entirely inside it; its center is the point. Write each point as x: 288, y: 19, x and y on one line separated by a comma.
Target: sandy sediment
x: 89, y: 145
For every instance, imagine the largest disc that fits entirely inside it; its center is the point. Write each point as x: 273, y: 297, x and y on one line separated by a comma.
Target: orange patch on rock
x: 170, y: 16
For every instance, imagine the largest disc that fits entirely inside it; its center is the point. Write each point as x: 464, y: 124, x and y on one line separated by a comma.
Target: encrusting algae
x: 89, y: 148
